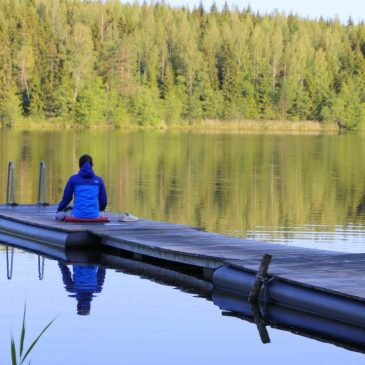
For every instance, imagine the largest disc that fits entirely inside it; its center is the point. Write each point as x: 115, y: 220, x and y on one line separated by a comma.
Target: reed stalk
x: 19, y: 357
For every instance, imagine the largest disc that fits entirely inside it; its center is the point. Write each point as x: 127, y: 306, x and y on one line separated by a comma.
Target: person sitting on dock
x: 88, y: 192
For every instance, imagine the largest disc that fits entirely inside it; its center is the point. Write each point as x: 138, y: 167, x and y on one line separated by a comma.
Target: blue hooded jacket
x: 88, y: 191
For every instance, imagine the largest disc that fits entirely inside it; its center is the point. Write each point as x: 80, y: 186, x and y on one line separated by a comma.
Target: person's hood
x: 86, y: 171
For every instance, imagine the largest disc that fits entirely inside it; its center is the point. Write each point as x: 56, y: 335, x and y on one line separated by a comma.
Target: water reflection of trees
x: 222, y: 182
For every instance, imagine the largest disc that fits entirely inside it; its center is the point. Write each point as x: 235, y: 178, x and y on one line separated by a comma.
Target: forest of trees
x: 106, y: 63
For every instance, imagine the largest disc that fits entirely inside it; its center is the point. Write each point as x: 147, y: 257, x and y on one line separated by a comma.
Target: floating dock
x: 324, y: 284
x: 332, y: 271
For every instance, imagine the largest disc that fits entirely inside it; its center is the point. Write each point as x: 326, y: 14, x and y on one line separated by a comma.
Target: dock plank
x: 328, y: 270
x: 333, y: 271
x: 45, y: 217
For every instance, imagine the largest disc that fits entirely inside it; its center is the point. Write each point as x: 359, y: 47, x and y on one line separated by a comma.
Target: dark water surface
x: 305, y: 190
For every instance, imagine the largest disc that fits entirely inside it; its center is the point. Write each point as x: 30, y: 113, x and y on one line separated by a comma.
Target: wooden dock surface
x: 327, y: 270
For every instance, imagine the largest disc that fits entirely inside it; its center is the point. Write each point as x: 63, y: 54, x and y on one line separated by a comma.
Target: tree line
x: 89, y: 63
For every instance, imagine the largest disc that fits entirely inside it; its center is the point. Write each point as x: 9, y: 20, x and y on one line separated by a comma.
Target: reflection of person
x: 87, y: 190
x: 83, y: 284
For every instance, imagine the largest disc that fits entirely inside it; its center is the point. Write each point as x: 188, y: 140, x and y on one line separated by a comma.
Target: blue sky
x: 305, y: 8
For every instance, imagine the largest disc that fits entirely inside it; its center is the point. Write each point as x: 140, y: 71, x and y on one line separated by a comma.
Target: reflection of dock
x: 325, y: 284
x: 300, y: 322
x: 338, y: 331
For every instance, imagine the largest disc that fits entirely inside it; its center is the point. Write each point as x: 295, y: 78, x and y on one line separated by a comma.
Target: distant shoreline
x: 218, y: 125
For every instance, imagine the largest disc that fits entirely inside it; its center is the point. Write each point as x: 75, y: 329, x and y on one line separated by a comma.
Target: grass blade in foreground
x: 22, y: 358
x: 13, y: 351
x: 35, y: 341
x: 22, y: 335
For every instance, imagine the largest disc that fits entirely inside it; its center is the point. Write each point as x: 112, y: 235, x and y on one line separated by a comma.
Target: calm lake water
x: 305, y: 190
x: 133, y: 320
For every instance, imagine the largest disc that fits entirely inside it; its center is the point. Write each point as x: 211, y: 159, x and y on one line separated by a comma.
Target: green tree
x: 346, y: 108
x: 144, y: 107
x: 81, y: 56
x: 90, y: 108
